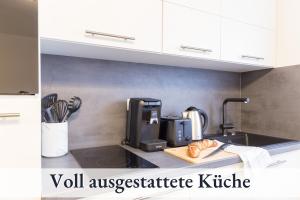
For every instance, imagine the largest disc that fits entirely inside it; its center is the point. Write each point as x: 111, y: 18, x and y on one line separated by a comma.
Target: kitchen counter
x: 164, y: 160
x: 66, y: 161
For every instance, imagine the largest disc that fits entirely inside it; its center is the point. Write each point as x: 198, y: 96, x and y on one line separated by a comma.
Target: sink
x: 248, y: 139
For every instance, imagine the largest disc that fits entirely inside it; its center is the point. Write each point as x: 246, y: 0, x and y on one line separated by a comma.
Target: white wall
x: 288, y: 33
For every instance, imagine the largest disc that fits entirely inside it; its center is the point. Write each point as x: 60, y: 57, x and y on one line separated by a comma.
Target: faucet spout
x: 225, y: 126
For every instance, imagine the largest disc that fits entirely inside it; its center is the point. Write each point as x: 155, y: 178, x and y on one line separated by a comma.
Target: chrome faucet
x: 228, y: 126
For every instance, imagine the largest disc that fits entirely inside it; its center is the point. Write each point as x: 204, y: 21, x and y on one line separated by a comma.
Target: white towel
x: 252, y: 157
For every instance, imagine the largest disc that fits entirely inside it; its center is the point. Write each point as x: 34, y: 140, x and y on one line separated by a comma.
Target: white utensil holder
x: 54, y: 139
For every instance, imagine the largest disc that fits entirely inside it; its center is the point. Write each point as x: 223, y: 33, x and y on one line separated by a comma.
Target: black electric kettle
x: 199, y: 121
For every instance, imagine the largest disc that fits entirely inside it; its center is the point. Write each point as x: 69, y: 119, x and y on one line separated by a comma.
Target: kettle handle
x: 205, y: 119
x: 203, y: 114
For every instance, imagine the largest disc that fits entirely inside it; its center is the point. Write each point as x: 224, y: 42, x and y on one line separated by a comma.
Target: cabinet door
x: 133, y: 24
x: 256, y: 12
x: 212, y: 6
x: 20, y: 132
x: 190, y: 32
x: 247, y: 44
x: 19, y: 47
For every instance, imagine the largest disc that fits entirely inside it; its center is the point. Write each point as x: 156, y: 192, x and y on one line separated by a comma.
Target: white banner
x: 270, y: 183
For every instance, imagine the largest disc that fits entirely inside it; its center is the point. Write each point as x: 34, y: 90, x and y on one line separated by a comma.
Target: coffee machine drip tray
x: 109, y: 157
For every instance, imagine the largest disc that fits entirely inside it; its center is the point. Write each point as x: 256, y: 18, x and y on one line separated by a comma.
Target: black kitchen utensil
x: 53, y: 115
x: 49, y: 115
x: 61, y: 109
x: 47, y: 102
x: 74, y: 105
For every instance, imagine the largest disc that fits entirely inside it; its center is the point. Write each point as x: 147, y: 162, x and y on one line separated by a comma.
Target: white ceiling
x: 18, y: 17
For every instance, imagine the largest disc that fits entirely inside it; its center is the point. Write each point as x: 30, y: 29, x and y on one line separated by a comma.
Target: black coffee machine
x: 143, y: 123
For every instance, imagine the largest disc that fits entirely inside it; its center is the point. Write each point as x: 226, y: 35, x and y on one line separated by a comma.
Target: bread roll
x: 193, y: 151
x: 195, y: 147
x: 204, y: 144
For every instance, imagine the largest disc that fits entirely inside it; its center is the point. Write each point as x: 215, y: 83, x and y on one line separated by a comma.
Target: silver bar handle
x: 253, y: 57
x: 9, y: 115
x: 109, y: 35
x: 195, y: 48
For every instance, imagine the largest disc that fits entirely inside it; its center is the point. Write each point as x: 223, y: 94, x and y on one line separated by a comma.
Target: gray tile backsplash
x: 104, y: 87
x: 275, y: 102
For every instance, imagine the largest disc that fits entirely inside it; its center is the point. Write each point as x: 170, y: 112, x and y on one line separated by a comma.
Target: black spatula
x: 74, y: 105
x: 47, y: 102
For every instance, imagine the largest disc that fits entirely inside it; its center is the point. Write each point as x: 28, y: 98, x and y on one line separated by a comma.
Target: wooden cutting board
x: 182, y: 152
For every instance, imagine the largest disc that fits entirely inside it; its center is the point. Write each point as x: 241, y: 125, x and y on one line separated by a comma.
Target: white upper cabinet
x: 256, y: 12
x: 189, y: 32
x: 132, y: 24
x: 242, y: 43
x: 233, y: 35
x: 212, y: 6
